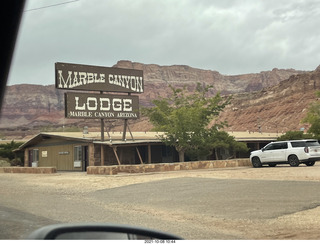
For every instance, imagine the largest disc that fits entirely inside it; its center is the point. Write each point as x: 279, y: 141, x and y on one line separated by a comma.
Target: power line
x: 49, y: 6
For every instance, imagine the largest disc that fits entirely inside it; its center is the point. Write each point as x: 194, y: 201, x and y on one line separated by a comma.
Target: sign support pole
x: 102, y: 139
x: 130, y: 132
x: 125, y: 129
x: 125, y: 126
x: 102, y: 125
x: 102, y: 129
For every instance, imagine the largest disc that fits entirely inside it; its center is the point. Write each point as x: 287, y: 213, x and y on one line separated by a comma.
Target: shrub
x: 16, y: 162
x: 4, y: 163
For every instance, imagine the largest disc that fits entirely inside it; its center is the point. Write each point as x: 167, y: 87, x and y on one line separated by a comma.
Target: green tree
x: 294, y: 135
x: 185, y: 117
x: 313, y: 117
x: 237, y: 146
x: 6, y: 150
x: 221, y: 140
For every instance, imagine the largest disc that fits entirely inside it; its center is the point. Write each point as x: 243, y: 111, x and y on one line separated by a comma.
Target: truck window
x: 276, y: 146
x: 269, y: 147
x: 312, y: 143
x: 281, y: 145
x: 298, y: 144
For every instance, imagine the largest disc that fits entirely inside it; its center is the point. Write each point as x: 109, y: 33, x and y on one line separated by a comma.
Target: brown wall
x: 59, y: 153
x: 55, y: 153
x: 60, y: 157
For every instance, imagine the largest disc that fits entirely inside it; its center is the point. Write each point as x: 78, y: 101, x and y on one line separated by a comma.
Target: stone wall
x: 161, y: 167
x: 137, y: 168
x: 30, y: 170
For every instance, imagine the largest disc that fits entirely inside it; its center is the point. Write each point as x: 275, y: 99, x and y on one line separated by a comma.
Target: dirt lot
x: 87, y: 183
x: 306, y: 223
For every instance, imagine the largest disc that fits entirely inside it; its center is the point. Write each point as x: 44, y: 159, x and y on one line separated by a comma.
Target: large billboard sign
x: 97, y: 78
x: 101, y: 106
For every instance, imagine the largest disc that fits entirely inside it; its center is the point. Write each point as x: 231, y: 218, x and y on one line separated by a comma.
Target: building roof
x: 38, y: 138
x: 247, y: 136
x: 113, y: 135
x: 115, y: 138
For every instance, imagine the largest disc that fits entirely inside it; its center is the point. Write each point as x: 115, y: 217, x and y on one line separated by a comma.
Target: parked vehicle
x: 287, y: 152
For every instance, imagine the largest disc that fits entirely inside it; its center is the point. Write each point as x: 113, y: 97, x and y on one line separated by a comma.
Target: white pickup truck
x: 287, y: 152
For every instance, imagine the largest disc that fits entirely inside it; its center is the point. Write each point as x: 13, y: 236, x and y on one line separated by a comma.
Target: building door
x: 85, y: 162
x: 33, y: 157
x: 81, y: 157
x: 30, y: 157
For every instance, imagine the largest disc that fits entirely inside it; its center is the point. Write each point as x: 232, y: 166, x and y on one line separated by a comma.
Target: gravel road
x: 29, y: 201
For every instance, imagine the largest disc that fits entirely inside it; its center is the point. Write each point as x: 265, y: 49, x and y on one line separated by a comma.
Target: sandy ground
x: 305, y: 223
x: 86, y: 183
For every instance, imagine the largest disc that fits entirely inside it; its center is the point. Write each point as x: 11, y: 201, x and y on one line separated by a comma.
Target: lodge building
x: 75, y: 151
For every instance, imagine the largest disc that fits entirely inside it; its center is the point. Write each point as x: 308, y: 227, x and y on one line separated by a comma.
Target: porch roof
x: 115, y: 138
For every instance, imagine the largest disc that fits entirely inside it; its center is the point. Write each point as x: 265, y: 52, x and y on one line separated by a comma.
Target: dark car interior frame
x: 10, y: 16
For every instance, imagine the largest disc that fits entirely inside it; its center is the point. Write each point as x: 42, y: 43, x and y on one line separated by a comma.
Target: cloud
x: 231, y: 37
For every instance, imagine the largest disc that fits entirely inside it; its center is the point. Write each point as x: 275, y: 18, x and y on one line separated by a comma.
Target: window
x: 281, y: 145
x: 269, y: 147
x: 34, y: 155
x: 298, y: 144
x: 312, y: 143
x: 277, y: 146
x: 78, y: 153
x: 77, y: 156
x: 166, y: 151
x: 304, y: 143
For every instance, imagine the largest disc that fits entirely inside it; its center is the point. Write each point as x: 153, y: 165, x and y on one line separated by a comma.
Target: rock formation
x: 274, y: 100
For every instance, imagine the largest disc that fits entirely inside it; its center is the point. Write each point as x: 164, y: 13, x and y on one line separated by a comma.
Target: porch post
x: 26, y: 158
x: 102, y: 154
x: 139, y: 155
x: 124, y: 129
x: 91, y: 154
x: 149, y: 154
x: 115, y: 153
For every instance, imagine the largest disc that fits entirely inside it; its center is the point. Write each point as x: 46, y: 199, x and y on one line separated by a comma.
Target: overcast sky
x: 228, y: 36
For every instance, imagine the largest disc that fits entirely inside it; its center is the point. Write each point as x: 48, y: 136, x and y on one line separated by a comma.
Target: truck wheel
x: 256, y: 163
x: 310, y: 163
x: 293, y: 161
